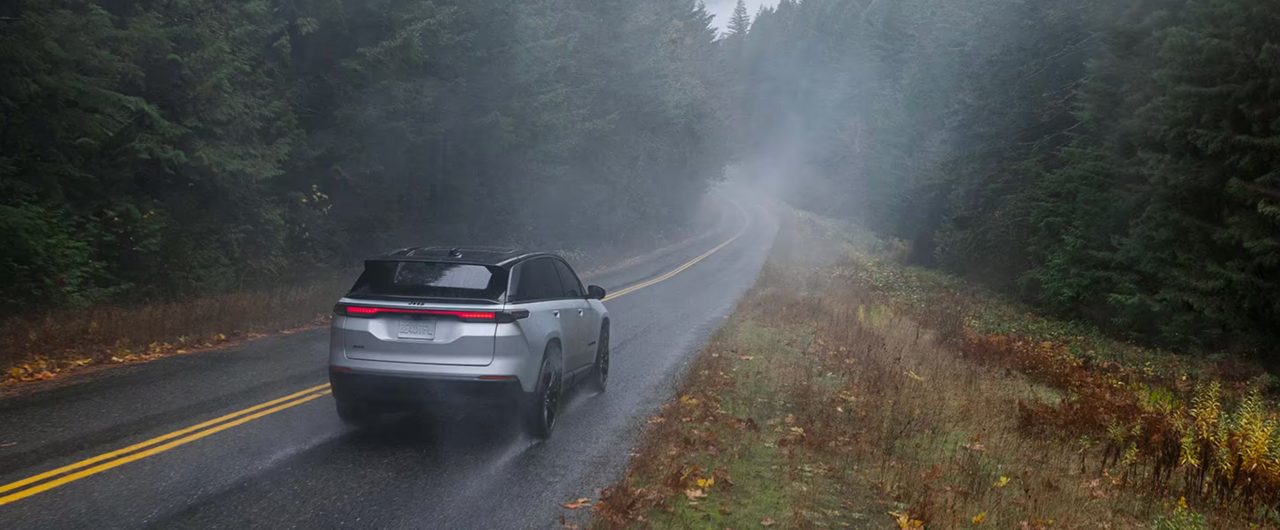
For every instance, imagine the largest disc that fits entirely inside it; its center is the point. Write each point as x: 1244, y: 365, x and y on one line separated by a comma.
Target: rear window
x: 425, y: 279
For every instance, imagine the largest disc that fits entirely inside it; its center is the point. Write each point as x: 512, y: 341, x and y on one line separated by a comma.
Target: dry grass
x: 38, y: 348
x: 825, y: 403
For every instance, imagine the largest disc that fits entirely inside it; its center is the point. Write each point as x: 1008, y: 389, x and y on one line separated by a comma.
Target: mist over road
x: 301, y: 467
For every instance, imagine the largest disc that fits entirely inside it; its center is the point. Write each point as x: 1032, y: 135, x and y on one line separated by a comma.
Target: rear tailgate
x: 418, y: 333
x: 422, y: 312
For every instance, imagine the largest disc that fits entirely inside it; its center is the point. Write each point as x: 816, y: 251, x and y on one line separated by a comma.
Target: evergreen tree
x: 740, y: 21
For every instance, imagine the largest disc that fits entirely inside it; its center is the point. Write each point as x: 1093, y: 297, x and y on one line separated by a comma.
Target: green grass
x: 761, y: 480
x: 759, y: 491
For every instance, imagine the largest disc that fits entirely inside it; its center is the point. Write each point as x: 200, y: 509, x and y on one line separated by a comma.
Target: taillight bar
x: 362, y: 311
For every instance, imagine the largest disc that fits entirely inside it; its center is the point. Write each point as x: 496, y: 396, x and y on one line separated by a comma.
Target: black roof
x: 463, y: 254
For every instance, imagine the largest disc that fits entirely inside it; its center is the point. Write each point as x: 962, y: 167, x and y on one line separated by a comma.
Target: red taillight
x: 502, y: 317
x: 469, y: 315
x: 367, y: 311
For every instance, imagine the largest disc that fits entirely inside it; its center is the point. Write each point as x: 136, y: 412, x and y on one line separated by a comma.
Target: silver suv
x: 433, y: 324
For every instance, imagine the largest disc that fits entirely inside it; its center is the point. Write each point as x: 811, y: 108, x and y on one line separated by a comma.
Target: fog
x: 153, y: 151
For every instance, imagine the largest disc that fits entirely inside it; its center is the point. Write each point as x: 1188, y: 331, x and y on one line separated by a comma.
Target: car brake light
x: 465, y: 316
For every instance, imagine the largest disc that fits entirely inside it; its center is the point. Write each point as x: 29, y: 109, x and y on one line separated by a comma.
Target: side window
x: 538, y: 280
x: 572, y: 287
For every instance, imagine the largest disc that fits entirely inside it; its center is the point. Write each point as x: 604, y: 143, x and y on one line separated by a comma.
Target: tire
x: 354, y: 413
x: 599, y: 379
x: 543, y: 407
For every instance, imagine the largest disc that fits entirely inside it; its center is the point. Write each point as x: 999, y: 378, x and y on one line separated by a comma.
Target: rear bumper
x: 510, y: 358
x: 402, y: 389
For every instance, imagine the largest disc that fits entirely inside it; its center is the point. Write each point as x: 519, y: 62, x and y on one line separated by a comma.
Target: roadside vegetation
x: 849, y: 390
x: 44, y: 346
x: 1113, y: 162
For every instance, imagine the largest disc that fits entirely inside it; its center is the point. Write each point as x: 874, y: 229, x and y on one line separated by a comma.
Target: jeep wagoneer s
x: 436, y: 325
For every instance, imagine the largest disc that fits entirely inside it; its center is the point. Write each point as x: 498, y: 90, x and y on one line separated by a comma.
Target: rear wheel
x: 544, y: 405
x: 599, y: 380
x: 355, y: 413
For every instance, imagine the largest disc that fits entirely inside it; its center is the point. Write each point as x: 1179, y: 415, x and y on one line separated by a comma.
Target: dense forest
x: 1115, y: 161
x: 152, y: 149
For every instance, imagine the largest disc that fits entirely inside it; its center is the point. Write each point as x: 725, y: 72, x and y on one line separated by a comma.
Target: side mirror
x: 595, y: 291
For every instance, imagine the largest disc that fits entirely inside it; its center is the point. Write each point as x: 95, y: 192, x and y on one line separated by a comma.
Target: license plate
x: 417, y: 329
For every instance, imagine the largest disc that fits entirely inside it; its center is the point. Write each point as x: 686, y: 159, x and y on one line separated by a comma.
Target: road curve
x: 300, y: 467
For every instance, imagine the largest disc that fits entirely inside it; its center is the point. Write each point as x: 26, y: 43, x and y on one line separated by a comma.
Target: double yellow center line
x: 35, y: 484
x: 670, y: 274
x: 91, y: 466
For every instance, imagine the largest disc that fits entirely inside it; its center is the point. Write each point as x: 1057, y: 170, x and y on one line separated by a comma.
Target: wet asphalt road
x: 302, y: 468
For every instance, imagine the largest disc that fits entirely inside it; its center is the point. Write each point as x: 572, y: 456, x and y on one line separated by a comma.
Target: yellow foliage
x: 906, y: 522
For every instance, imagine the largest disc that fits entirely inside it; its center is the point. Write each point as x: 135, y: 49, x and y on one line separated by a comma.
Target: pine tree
x: 740, y: 21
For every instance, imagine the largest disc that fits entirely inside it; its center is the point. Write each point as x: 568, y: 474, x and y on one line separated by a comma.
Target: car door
x: 537, y: 288
x: 576, y: 315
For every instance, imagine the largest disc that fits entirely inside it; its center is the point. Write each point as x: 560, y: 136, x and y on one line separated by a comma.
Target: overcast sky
x: 722, y: 9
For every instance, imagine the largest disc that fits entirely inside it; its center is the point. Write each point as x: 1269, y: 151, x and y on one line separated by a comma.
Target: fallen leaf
x: 979, y: 519
x: 905, y: 522
x: 580, y: 503
x: 745, y: 357
x: 1001, y: 482
x: 767, y: 521
x: 695, y: 494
